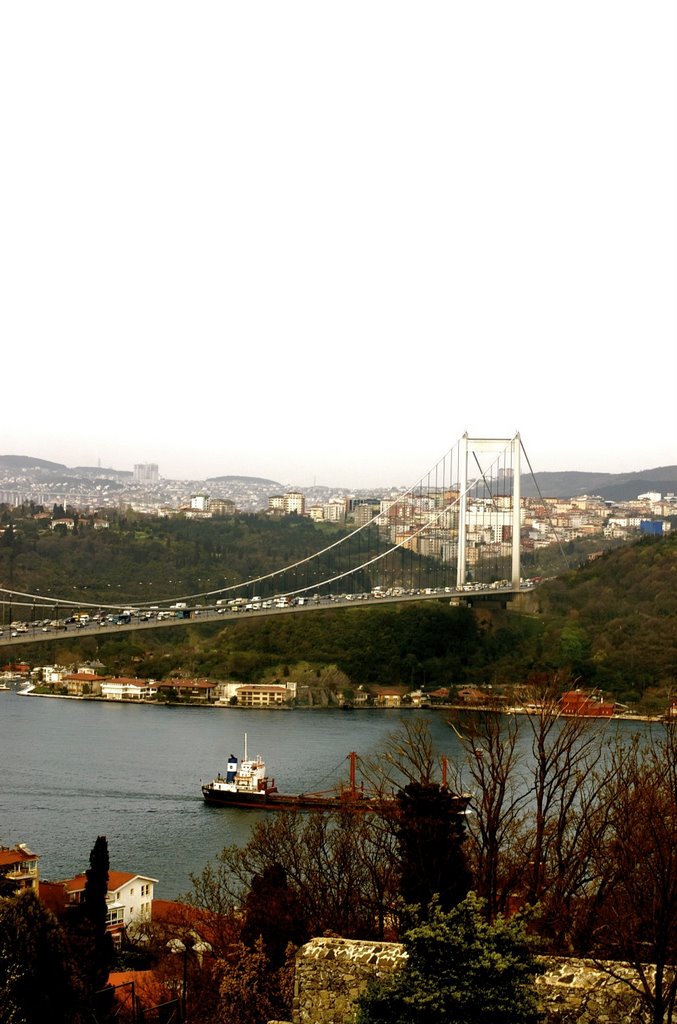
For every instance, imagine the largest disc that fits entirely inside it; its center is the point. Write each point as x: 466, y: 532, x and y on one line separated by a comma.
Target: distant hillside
x: 611, y: 486
x: 258, y: 480
x: 26, y: 462
x: 101, y: 471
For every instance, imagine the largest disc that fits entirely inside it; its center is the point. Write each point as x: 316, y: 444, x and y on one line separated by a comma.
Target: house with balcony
x: 260, y: 695
x: 187, y: 689
x: 83, y: 684
x: 387, y: 698
x: 20, y: 865
x: 129, y: 899
x: 128, y: 689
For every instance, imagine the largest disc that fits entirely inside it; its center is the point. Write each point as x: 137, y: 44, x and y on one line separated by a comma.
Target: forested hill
x: 611, y: 624
x: 617, y: 616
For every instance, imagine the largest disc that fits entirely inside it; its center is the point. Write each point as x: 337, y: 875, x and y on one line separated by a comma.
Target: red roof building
x: 20, y: 865
x: 585, y: 705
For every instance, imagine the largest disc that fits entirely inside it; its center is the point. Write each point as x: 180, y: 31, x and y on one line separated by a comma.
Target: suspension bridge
x: 455, y: 533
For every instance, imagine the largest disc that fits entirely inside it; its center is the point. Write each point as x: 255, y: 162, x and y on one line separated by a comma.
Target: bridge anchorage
x: 456, y: 532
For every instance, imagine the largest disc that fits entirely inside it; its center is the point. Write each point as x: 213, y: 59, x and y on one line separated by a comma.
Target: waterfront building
x: 259, y: 695
x: 20, y: 865
x: 128, y: 689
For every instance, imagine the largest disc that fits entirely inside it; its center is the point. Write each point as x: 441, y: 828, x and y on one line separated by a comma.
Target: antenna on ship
x: 245, y: 747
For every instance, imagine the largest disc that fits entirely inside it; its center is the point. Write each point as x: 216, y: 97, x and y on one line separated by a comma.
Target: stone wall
x: 331, y: 973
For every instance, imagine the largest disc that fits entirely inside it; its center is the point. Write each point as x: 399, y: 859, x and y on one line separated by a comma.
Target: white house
x: 129, y: 898
x: 128, y: 689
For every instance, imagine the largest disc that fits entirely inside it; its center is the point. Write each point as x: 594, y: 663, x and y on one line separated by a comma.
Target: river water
x: 73, y: 770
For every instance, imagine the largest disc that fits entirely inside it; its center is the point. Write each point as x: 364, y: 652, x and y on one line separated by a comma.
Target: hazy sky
x: 318, y: 242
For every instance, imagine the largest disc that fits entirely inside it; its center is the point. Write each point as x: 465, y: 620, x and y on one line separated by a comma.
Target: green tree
x: 459, y: 970
x: 86, y: 924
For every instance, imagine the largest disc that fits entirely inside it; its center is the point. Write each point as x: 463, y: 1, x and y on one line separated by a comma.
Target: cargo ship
x: 246, y: 785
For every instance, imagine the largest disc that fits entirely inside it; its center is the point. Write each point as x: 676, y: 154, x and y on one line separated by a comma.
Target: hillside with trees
x: 610, y: 624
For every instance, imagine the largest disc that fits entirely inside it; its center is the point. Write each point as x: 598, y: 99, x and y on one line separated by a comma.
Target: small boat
x: 245, y: 784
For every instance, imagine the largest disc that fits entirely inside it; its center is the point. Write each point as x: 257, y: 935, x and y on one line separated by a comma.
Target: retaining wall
x: 331, y: 973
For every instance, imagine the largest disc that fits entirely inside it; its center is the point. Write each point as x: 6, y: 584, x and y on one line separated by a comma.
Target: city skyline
x: 317, y: 244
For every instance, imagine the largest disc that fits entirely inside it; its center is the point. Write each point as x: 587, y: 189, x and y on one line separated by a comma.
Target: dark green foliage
x: 612, y: 622
x: 86, y: 924
x: 37, y: 982
x: 429, y: 831
x: 460, y: 970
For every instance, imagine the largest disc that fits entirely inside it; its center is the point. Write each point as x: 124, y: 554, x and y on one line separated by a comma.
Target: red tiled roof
x: 15, y: 855
x: 116, y: 879
x: 85, y: 677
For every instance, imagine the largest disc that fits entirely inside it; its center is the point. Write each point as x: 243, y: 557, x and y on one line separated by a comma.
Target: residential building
x: 335, y: 510
x: 20, y: 865
x: 129, y: 899
x: 146, y: 473
x: 221, y: 507
x: 128, y: 689
x: 224, y: 692
x: 388, y: 698
x: 188, y: 689
x: 83, y: 684
x: 294, y: 502
x: 260, y: 695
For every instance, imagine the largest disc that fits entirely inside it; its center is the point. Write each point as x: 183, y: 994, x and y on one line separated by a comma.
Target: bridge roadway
x: 11, y: 637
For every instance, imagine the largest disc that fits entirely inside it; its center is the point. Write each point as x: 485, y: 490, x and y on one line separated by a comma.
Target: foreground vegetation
x: 568, y: 849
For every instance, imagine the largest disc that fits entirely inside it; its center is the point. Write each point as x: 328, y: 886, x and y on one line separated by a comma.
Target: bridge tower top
x: 495, y: 446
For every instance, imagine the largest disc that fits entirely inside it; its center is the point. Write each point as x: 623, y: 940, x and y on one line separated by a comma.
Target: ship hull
x: 284, y: 801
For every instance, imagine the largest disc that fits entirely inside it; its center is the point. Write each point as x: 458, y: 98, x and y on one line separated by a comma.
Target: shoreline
x: 621, y: 717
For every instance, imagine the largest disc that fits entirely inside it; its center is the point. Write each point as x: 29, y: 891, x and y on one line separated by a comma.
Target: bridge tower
x: 475, y: 446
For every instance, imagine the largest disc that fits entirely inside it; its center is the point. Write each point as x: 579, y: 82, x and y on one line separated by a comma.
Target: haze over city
x: 317, y: 244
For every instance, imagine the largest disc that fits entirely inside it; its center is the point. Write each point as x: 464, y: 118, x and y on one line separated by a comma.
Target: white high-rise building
x: 146, y: 473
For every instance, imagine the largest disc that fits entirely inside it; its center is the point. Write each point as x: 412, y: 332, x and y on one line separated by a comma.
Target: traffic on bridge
x: 84, y: 624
